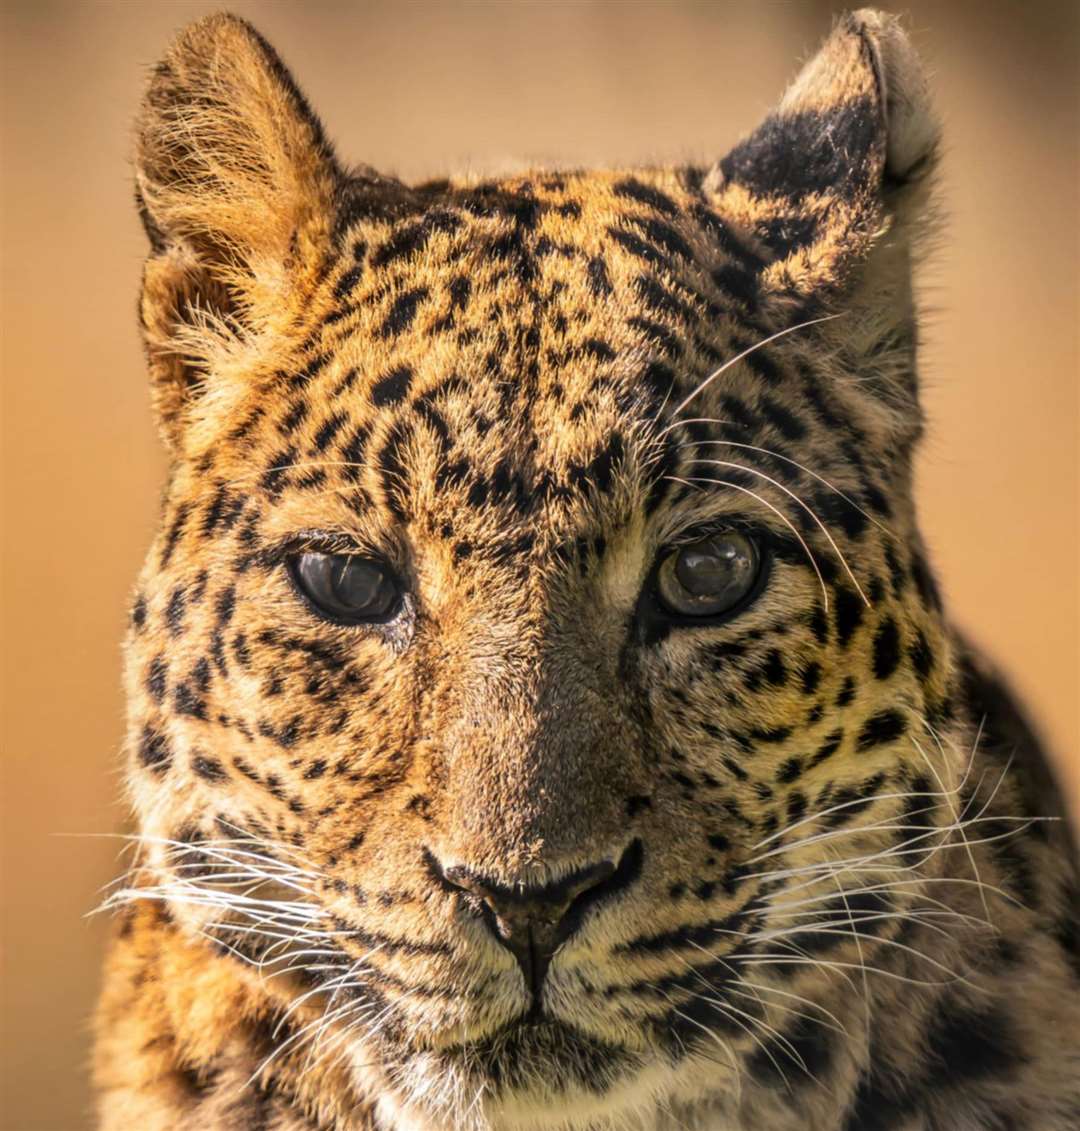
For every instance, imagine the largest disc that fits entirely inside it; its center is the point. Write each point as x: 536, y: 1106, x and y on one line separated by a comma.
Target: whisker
x: 813, y: 514
x: 784, y: 459
x: 739, y: 357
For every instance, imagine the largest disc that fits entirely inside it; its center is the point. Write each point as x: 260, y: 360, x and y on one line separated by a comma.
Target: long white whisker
x: 739, y: 357
x: 779, y: 514
x: 813, y: 514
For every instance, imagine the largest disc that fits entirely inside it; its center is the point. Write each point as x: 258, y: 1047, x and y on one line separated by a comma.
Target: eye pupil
x: 346, y: 587
x: 709, y: 577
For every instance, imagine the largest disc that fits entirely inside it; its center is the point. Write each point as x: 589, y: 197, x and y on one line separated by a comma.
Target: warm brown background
x: 417, y: 88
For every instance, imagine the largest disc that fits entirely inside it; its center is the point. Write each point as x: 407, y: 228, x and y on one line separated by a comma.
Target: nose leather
x: 532, y: 922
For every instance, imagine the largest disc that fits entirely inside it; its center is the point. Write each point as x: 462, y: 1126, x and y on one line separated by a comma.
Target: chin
x: 529, y: 1076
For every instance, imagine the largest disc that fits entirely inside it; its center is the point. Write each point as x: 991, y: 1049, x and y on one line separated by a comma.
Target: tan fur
x: 523, y: 394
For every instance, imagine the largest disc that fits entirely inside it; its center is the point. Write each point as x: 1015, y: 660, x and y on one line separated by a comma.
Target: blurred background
x: 417, y: 89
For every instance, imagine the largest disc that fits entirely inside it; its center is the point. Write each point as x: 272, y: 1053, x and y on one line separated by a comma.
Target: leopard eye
x: 710, y: 577
x: 346, y: 588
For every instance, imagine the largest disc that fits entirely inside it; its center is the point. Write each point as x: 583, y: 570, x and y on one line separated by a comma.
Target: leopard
x: 543, y: 714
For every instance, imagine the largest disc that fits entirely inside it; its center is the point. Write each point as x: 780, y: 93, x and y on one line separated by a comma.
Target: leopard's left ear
x: 841, y: 167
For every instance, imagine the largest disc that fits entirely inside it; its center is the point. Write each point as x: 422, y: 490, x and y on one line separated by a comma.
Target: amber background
x: 417, y: 88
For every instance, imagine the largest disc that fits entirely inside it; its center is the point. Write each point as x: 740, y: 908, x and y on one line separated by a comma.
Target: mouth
x: 536, y: 1053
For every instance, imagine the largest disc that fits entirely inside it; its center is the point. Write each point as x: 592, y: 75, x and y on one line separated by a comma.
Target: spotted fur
x: 833, y: 897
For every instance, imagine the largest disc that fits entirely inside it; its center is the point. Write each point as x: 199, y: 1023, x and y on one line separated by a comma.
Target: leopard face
x: 538, y: 612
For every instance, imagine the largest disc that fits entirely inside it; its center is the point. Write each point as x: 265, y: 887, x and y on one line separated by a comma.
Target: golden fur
x: 836, y: 902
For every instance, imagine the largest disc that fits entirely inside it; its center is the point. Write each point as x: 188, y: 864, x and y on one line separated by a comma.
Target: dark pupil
x: 346, y: 584
x: 715, y: 566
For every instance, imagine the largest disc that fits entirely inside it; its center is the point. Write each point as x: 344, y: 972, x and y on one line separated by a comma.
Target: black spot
x: 392, y: 388
x: 922, y: 655
x: 325, y: 435
x: 156, y: 683
x: 846, y: 695
x: 348, y: 281
x: 819, y: 624
x: 662, y: 300
x: 352, y: 453
x: 786, y: 423
x: 848, y: 614
x: 721, y: 234
x: 659, y: 379
x: 172, y: 535
x: 600, y: 469
x: 790, y: 233
x: 828, y: 748
x: 834, y: 509
x: 811, y: 677
x: 777, y: 734
x: 886, y: 648
x: 154, y: 750
x: 599, y: 283
x: 407, y: 240
x: 174, y: 611
x: 767, y: 369
x: 226, y: 604
x: 274, y: 478
x: 971, y: 1043
x: 638, y: 247
x: 789, y: 771
x: 209, y: 769
x: 738, y: 284
x: 633, y: 189
x: 188, y: 702
x: 919, y: 808
x: 1067, y: 930
x: 305, y: 376
x: 665, y: 236
x: 775, y: 670
x: 657, y: 334
x: 636, y: 804
x: 885, y: 726
x: 392, y: 467
x: 138, y: 613
x: 402, y: 313
x: 852, y: 800
x: 594, y: 347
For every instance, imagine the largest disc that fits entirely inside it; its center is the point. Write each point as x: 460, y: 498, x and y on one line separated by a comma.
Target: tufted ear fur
x: 835, y: 183
x: 236, y: 184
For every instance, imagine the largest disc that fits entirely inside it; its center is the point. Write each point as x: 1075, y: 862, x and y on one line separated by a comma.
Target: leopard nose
x: 532, y: 922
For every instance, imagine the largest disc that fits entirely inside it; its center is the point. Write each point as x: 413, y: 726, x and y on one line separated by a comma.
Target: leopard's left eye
x: 710, y: 577
x: 346, y: 588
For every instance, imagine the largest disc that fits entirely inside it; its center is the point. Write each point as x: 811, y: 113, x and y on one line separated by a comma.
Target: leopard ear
x: 843, y: 159
x: 236, y: 184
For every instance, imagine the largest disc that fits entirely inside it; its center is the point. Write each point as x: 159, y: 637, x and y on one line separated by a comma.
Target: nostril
x: 620, y: 877
x: 532, y: 922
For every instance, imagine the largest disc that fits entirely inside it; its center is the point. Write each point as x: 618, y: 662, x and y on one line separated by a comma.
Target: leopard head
x: 538, y: 612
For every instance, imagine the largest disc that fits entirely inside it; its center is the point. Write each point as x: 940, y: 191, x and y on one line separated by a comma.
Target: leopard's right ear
x: 237, y: 185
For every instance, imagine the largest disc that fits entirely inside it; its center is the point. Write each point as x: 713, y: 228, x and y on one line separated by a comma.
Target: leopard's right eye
x: 346, y: 588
